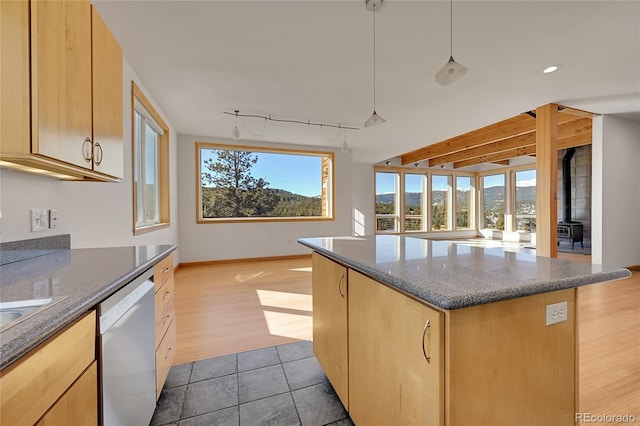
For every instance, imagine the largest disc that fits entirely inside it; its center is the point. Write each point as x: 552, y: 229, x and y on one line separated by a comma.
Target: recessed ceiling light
x: 550, y: 69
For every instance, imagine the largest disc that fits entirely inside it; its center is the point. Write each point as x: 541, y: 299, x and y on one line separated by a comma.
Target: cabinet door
x: 330, y: 295
x: 390, y: 380
x: 61, y: 80
x: 78, y: 405
x: 107, y: 99
x: 14, y: 77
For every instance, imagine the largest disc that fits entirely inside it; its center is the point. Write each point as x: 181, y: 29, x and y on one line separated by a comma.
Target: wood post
x: 547, y: 180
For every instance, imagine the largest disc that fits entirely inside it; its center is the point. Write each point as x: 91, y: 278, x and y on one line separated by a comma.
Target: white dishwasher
x: 127, y: 354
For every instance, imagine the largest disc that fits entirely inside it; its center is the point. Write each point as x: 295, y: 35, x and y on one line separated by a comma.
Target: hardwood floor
x: 228, y: 308
x: 609, y: 347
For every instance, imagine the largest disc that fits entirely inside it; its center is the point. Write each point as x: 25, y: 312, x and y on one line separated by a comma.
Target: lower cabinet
x: 330, y: 340
x: 396, y: 370
x: 53, y: 379
x: 165, y: 321
x: 78, y: 405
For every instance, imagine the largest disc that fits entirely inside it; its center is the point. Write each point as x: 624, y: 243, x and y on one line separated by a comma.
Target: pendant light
x: 345, y: 147
x: 235, y: 133
x: 452, y: 70
x: 373, y: 6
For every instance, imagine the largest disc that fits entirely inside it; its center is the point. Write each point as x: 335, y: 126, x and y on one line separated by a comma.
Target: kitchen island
x: 415, y: 331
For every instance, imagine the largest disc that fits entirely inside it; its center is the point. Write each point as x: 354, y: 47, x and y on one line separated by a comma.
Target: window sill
x: 151, y: 228
x: 266, y: 219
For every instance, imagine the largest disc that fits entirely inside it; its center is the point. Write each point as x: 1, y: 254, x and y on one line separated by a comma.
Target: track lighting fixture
x: 235, y: 133
x: 373, y: 6
x: 452, y: 70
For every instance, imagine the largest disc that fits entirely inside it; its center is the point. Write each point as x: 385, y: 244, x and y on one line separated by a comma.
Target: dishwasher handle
x: 115, y: 312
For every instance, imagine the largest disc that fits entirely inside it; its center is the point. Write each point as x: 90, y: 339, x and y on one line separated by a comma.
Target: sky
x: 300, y: 174
x: 386, y: 182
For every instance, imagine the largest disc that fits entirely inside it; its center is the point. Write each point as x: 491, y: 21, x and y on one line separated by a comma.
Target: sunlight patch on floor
x: 249, y: 277
x: 308, y: 269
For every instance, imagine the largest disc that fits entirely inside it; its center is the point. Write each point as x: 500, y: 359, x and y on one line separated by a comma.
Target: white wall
x: 616, y: 191
x: 363, y: 210
x: 95, y: 214
x: 219, y: 241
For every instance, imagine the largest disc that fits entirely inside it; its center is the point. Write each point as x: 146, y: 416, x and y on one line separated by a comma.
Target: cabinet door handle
x: 167, y: 318
x: 427, y: 329
x: 97, y: 152
x: 340, y: 285
x: 86, y: 150
x: 167, y: 269
x: 168, y: 352
x: 166, y: 293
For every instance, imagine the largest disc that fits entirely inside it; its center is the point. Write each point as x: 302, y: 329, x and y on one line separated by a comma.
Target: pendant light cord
x: 451, y: 28
x: 374, y: 58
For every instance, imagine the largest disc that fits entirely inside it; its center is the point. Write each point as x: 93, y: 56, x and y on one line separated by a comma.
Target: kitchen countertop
x: 82, y: 277
x: 458, y: 274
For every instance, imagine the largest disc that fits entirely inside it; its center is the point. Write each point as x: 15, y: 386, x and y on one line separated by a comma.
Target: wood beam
x: 484, y: 150
x: 501, y: 162
x: 547, y: 180
x: 575, y: 127
x: 574, y: 141
x: 510, y: 127
x: 573, y: 111
x: 498, y: 156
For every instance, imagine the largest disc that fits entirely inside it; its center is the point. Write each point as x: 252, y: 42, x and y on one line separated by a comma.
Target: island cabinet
x: 62, y: 100
x: 412, y: 363
x: 165, y: 320
x: 395, y: 357
x: 330, y: 341
x: 56, y: 383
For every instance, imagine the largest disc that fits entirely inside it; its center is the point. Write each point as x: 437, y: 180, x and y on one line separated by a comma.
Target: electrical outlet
x: 53, y: 219
x: 39, y: 220
x: 556, y: 313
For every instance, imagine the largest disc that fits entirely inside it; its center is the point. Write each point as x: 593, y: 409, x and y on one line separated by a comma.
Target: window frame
x: 427, y: 217
x: 507, y: 200
x: 138, y: 101
x: 329, y: 190
x: 513, y: 205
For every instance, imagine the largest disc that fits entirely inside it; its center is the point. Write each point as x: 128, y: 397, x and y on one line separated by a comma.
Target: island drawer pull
x: 340, y: 285
x: 167, y: 269
x: 168, y: 352
x: 427, y: 328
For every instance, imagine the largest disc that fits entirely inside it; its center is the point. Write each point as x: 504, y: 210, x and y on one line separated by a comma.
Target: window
x: 240, y: 183
x: 414, y: 198
x: 493, y: 201
x: 440, y: 202
x: 464, y: 212
x: 387, y: 191
x: 150, y: 165
x: 525, y: 200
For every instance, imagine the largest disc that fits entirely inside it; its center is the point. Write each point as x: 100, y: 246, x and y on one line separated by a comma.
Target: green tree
x: 235, y: 192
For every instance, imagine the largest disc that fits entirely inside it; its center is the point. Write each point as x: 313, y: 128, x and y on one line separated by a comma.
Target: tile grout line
x: 289, y: 386
x: 238, y: 386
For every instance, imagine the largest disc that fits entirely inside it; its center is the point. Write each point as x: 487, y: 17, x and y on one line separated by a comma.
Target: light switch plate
x: 556, y: 313
x: 39, y: 220
x: 53, y: 219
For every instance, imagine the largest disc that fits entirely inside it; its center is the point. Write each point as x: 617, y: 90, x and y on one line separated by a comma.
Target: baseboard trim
x: 634, y: 268
x: 244, y: 260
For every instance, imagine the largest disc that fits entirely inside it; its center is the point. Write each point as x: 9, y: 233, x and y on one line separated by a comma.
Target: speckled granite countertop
x: 458, y: 274
x: 84, y: 277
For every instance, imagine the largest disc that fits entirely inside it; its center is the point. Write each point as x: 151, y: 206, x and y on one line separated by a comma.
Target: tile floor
x: 280, y: 385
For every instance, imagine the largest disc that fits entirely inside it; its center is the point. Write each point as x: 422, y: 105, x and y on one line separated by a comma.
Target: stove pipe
x: 566, y: 184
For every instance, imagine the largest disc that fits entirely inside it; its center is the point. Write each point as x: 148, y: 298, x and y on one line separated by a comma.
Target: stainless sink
x: 11, y: 313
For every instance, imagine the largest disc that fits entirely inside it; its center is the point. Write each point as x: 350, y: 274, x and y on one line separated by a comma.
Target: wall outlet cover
x: 556, y: 313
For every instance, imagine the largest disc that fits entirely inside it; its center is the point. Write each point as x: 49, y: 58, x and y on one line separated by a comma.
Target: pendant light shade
x: 235, y: 133
x: 452, y: 70
x: 373, y: 6
x: 374, y: 119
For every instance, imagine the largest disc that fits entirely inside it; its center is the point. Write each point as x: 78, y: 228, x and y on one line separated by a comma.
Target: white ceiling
x: 313, y: 60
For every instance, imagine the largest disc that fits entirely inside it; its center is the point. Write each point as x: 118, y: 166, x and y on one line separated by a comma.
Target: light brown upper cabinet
x: 75, y: 63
